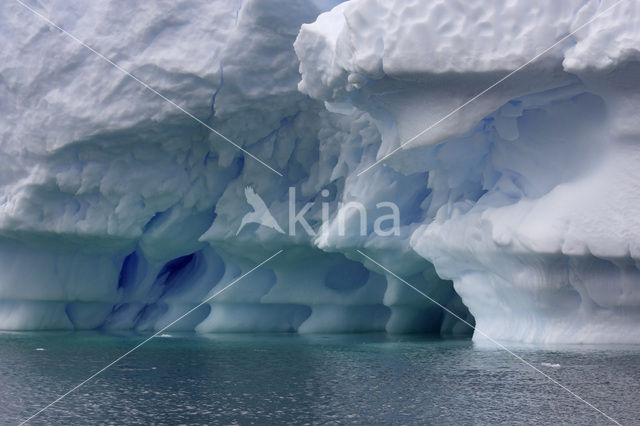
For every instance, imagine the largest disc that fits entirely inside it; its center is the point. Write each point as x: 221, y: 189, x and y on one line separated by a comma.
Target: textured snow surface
x: 118, y: 211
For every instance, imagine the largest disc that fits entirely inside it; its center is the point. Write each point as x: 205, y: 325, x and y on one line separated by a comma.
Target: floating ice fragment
x: 550, y: 365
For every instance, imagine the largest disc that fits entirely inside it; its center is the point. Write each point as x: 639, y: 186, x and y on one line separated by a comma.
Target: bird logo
x: 260, y: 214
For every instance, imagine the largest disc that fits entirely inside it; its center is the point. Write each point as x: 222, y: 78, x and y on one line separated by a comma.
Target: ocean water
x: 289, y: 378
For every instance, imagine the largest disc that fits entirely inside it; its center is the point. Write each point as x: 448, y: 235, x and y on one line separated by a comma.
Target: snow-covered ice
x: 118, y: 211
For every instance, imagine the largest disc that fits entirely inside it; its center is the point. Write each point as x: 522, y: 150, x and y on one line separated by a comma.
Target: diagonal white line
x: 500, y: 345
x: 157, y: 333
x: 143, y: 84
x: 490, y: 87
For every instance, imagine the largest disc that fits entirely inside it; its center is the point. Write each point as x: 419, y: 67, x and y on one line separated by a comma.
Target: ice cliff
x: 119, y: 211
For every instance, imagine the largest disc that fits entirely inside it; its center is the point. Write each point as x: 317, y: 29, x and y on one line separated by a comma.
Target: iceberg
x: 120, y: 208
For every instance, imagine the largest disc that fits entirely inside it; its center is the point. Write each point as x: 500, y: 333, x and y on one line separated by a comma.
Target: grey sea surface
x: 310, y: 379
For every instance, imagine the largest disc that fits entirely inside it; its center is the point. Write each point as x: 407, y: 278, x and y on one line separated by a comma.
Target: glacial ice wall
x: 534, y: 185
x: 119, y: 211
